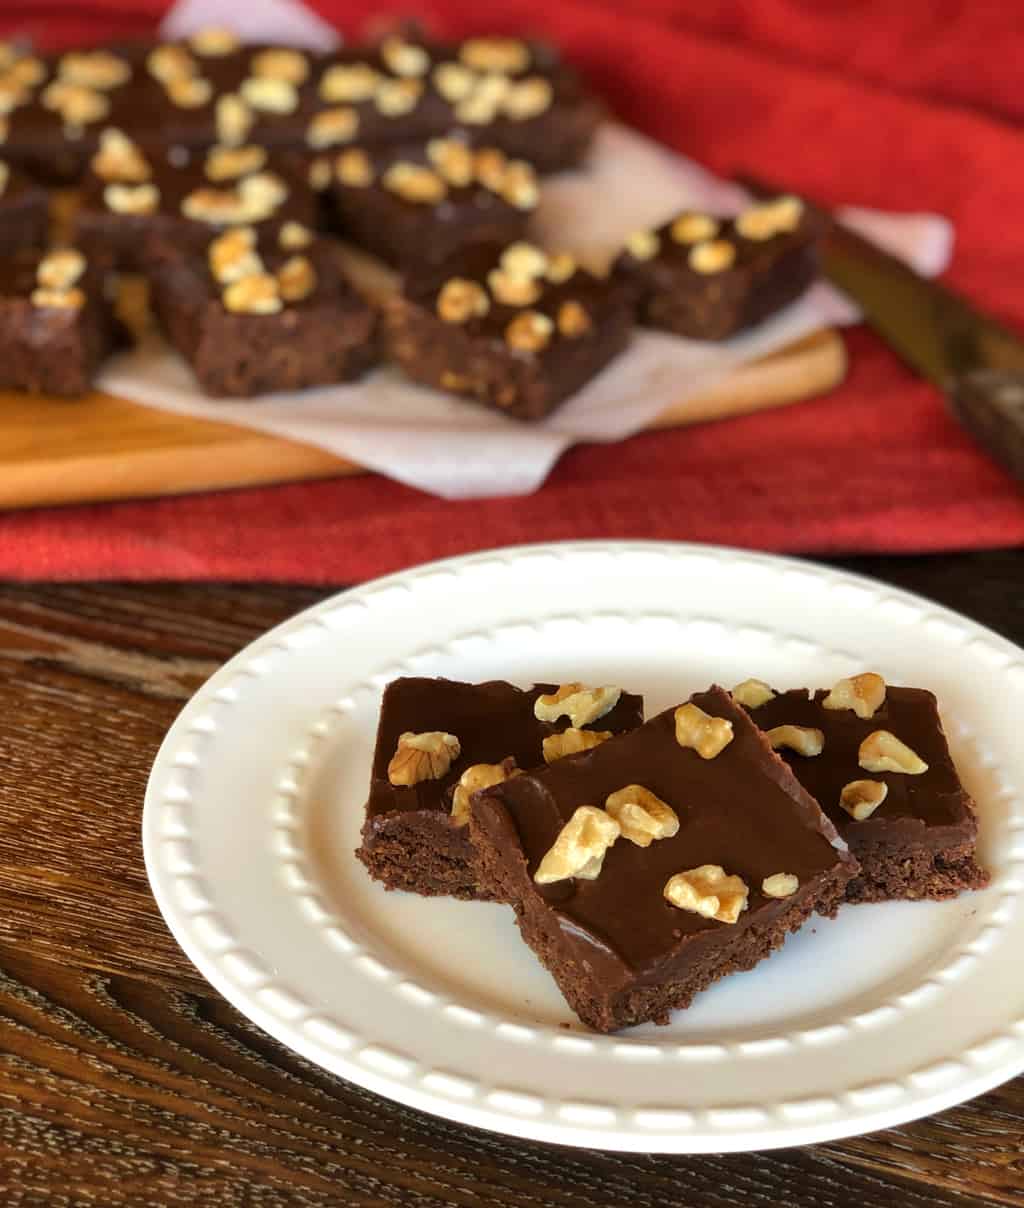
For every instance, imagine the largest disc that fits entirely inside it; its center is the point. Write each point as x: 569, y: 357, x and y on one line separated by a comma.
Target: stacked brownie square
x: 646, y: 860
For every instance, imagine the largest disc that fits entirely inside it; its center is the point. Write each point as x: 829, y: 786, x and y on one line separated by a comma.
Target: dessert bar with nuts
x: 707, y: 278
x: 56, y: 325
x: 254, y: 311
x: 645, y: 869
x: 416, y: 205
x: 130, y: 193
x: 439, y: 741
x: 876, y: 759
x: 24, y: 216
x: 516, y: 328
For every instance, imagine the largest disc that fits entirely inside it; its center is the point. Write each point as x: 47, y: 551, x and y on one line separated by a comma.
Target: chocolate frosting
x: 913, y: 804
x: 743, y: 810
x: 492, y: 721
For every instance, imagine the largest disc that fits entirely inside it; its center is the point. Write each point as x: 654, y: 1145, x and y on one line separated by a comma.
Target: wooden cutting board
x: 56, y: 451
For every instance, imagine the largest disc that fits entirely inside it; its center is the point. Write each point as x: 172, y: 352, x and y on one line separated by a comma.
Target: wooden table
x: 125, y: 1080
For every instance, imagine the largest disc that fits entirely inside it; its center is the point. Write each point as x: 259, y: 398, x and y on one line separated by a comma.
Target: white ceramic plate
x: 255, y: 802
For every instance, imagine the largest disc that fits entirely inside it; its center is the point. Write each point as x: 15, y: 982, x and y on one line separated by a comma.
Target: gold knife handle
x: 990, y: 405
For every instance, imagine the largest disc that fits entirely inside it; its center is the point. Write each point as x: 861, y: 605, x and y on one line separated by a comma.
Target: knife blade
x: 977, y: 361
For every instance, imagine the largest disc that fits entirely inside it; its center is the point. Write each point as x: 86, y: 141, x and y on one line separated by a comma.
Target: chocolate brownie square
x: 515, y: 329
x: 416, y: 835
x: 876, y: 759
x: 130, y: 195
x: 419, y: 205
x: 24, y: 214
x: 645, y: 869
x: 56, y: 324
x: 708, y: 278
x: 256, y: 311
x: 501, y: 92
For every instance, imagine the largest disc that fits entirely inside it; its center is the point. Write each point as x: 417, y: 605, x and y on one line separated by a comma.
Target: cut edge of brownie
x: 423, y: 853
x: 922, y: 875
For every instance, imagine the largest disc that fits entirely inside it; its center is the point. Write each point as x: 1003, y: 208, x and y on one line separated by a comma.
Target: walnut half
x: 708, y: 891
x: 580, y: 848
x: 426, y: 756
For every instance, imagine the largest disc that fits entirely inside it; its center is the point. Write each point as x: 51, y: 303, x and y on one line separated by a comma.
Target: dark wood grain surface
x: 125, y: 1080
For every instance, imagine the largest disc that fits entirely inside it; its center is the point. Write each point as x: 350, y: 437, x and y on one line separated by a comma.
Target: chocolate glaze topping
x: 743, y: 810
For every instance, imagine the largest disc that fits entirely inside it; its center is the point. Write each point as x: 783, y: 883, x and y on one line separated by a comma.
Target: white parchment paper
x: 457, y: 449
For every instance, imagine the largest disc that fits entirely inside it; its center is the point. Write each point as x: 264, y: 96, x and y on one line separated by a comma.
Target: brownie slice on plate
x: 23, y: 211
x: 439, y: 740
x: 708, y: 278
x: 260, y: 310
x: 876, y: 759
x: 645, y: 869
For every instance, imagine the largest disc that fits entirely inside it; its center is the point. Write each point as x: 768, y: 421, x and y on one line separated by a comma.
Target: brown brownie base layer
x: 539, y: 928
x: 915, y: 875
x: 421, y: 853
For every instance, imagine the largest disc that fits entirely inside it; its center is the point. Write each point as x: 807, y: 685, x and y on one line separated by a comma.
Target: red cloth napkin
x: 881, y: 105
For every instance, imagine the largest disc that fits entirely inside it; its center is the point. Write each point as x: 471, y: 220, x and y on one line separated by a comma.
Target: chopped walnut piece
x: 426, y: 756
x: 480, y: 108
x: 395, y: 98
x: 228, y: 163
x: 643, y: 245
x: 26, y: 73
x: 293, y: 235
x: 118, y: 158
x: 262, y: 193
x: 580, y: 847
x: 354, y: 168
x: 712, y: 256
x: 94, y: 69
x: 330, y: 127
x: 529, y: 332
x: 571, y: 741
x: 752, y: 693
x: 214, y: 42
x: 460, y: 300
x: 511, y: 290
x: 349, y: 82
x: 780, y: 885
x: 770, y: 218
x: 319, y: 174
x: 523, y: 259
x: 218, y: 207
x: 60, y: 269
x: 170, y: 63
x: 495, y: 54
x: 573, y: 320
x: 269, y: 94
x: 581, y: 705
x: 699, y: 731
x: 860, y: 798
x: 131, y: 199
x: 78, y: 106
x: 404, y: 58
x: 453, y: 81
x: 58, y: 299
x: 233, y: 119
x: 561, y: 267
x: 708, y: 891
x: 415, y: 183
x: 642, y: 816
x: 280, y: 63
x: 527, y: 98
x: 882, y: 751
x: 473, y: 779
x: 864, y: 694
x: 805, y: 740
x: 296, y: 278
x: 693, y: 228
x: 490, y: 166
x: 232, y: 255
x: 519, y: 185
x: 189, y: 92
x: 453, y: 160
x: 253, y: 295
